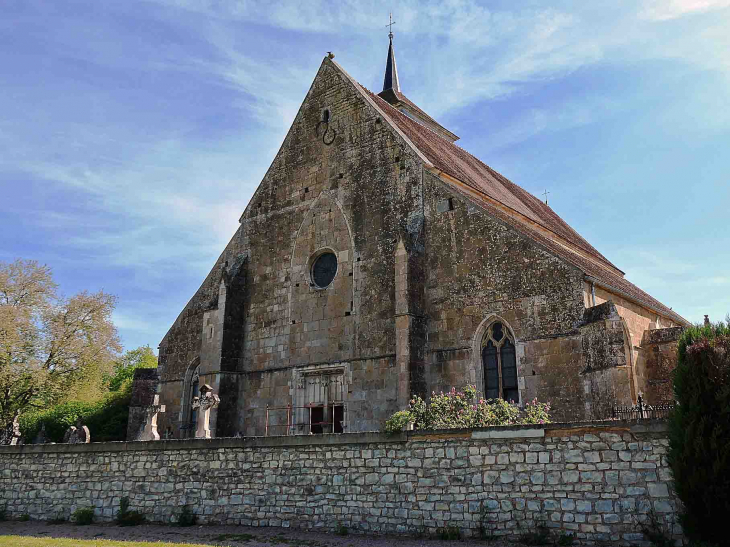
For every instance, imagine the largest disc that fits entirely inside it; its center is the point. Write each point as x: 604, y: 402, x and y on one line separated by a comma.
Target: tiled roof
x: 389, y: 95
x: 459, y: 164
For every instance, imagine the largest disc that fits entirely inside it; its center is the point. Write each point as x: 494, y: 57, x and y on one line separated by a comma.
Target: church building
x: 377, y: 259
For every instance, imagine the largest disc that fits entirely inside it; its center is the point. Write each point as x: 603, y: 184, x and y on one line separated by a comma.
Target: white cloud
x: 462, y: 50
x: 273, y: 90
x: 662, y: 10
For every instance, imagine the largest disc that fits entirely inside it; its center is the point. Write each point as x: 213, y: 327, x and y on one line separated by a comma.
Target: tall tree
x: 142, y: 357
x: 49, y: 343
x: 699, y: 433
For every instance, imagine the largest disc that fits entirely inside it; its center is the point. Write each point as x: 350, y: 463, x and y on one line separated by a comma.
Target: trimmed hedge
x: 699, y: 450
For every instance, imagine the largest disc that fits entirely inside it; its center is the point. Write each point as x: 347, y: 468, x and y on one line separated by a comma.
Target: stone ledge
x: 484, y: 433
x: 499, y: 433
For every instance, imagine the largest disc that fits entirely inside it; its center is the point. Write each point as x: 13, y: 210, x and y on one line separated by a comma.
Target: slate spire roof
x: 391, y: 71
x: 392, y: 95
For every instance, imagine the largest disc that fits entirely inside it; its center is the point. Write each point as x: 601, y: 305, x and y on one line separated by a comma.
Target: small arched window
x: 499, y: 360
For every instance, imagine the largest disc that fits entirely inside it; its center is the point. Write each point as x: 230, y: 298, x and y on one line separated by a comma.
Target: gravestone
x: 11, y: 434
x: 148, y: 432
x: 203, y: 404
x: 41, y: 437
x: 78, y: 434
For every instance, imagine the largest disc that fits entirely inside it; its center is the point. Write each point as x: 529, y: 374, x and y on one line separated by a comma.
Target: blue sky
x: 134, y: 133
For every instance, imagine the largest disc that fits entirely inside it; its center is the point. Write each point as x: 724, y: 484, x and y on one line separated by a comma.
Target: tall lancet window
x: 500, y: 364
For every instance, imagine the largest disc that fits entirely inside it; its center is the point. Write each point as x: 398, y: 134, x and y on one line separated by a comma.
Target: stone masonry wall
x: 638, y: 320
x: 656, y: 362
x: 481, y: 270
x: 595, y: 480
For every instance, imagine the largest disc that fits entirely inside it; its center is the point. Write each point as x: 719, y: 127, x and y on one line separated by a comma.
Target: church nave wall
x: 497, y: 274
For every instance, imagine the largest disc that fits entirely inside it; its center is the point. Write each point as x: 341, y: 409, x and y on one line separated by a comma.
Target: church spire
x: 391, y: 71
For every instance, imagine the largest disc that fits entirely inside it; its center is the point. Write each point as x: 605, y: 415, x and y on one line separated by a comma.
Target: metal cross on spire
x: 545, y: 193
x: 390, y: 26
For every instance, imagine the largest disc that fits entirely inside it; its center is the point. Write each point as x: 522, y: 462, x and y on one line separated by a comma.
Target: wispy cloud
x: 662, y: 10
x: 161, y: 117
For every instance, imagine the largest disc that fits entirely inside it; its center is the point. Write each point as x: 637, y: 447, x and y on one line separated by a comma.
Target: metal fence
x: 643, y: 411
x: 309, y: 419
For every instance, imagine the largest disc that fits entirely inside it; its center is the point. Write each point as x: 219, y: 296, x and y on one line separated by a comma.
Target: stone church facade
x: 376, y: 260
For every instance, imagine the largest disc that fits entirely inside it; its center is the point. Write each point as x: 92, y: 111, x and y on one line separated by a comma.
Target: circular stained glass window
x: 324, y: 270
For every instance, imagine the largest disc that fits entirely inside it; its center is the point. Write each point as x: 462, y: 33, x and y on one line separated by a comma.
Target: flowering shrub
x: 466, y: 409
x: 397, y: 422
x: 536, y: 413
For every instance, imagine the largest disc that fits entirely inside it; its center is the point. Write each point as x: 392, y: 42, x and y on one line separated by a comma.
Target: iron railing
x: 643, y: 411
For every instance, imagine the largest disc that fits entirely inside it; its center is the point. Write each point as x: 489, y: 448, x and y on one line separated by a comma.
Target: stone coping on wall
x: 499, y: 432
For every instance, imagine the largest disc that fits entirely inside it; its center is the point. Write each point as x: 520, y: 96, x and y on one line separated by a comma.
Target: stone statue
x: 203, y: 404
x: 149, y: 429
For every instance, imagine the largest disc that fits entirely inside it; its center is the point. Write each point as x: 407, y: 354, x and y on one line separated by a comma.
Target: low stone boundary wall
x: 596, y: 480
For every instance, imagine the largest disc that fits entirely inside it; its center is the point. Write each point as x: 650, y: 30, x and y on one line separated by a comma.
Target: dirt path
x: 228, y: 536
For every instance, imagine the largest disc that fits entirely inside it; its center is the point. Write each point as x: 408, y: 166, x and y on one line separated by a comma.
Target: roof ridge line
x: 562, y: 240
x: 366, y: 95
x: 558, y: 239
x: 501, y: 179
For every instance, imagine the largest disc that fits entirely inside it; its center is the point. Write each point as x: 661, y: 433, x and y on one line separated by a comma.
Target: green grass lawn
x: 25, y: 541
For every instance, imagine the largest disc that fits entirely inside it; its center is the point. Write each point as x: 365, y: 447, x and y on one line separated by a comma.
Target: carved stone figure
x: 203, y: 404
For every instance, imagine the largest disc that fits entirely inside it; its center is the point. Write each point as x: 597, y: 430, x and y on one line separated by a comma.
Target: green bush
x: 699, y: 445
x: 465, y: 409
x: 83, y: 516
x: 125, y: 517
x: 397, y: 422
x: 106, y: 419
x: 3, y: 514
x: 25, y: 517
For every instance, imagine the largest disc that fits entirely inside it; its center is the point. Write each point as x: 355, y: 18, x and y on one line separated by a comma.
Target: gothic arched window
x: 499, y: 360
